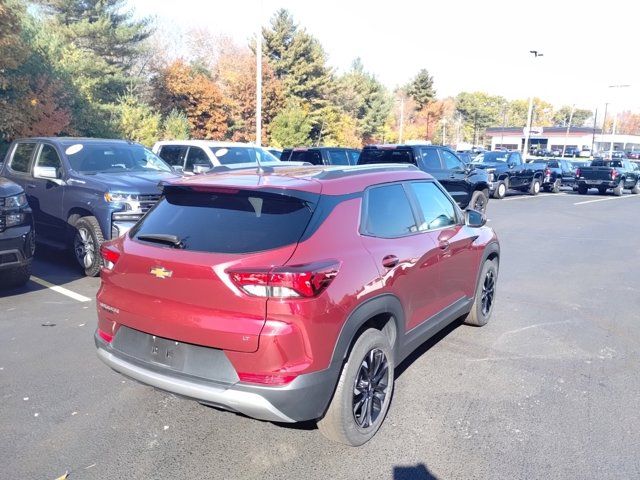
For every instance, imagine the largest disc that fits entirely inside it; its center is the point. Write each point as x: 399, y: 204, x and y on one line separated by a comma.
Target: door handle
x: 443, y: 244
x: 30, y: 185
x: 390, y: 261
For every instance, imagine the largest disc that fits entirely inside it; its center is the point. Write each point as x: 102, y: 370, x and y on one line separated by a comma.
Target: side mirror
x: 198, y: 169
x: 48, y: 173
x: 178, y: 169
x: 473, y: 218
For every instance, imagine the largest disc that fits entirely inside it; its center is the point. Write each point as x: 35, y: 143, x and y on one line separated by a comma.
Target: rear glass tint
x: 242, y: 222
x: 377, y: 155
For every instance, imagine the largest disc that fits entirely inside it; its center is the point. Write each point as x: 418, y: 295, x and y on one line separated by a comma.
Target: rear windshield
x: 606, y: 163
x: 311, y: 156
x: 491, y: 157
x: 378, y: 155
x: 90, y: 158
x: 232, y: 155
x: 237, y: 222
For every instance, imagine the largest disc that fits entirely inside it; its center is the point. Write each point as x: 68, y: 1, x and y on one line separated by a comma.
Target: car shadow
x: 417, y: 472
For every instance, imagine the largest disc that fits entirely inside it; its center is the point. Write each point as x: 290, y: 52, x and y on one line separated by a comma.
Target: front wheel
x: 361, y: 400
x: 500, y: 191
x: 618, y: 190
x: 636, y: 188
x: 534, y: 189
x: 16, y: 276
x: 479, y: 200
x: 86, y: 245
x: 582, y: 189
x: 485, y: 295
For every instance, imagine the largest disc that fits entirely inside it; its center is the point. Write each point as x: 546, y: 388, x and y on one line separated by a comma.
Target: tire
x: 582, y: 189
x: 479, y: 201
x: 602, y: 190
x: 501, y: 190
x: 555, y: 188
x: 636, y: 188
x: 618, y: 190
x: 339, y: 423
x: 534, y: 188
x: 481, y: 312
x: 16, y: 276
x: 86, y: 245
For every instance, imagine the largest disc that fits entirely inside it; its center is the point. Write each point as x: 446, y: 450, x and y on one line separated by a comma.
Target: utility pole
x: 444, y: 131
x: 527, y: 133
x: 615, y: 117
x: 259, y: 78
x: 401, y: 119
x: 593, y: 137
x: 566, y: 135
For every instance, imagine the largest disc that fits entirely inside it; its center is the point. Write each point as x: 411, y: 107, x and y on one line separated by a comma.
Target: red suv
x: 291, y: 293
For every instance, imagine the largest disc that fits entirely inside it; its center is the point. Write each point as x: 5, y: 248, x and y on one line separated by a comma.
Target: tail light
x: 614, y: 173
x: 109, y: 256
x: 269, y: 379
x: 107, y: 337
x: 547, y: 172
x: 286, y: 282
x: 578, y: 172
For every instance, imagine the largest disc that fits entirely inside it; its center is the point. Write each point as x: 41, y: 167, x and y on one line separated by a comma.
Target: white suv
x: 198, y: 156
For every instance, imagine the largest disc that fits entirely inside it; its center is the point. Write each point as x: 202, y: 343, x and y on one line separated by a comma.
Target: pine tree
x: 421, y: 90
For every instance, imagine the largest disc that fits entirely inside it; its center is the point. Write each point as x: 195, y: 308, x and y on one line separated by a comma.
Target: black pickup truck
x: 507, y: 170
x: 558, y: 173
x: 321, y: 155
x: 17, y: 242
x: 467, y: 185
x: 606, y: 175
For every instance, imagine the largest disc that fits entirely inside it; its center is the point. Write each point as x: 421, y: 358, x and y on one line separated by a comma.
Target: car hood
x: 9, y: 188
x: 132, y: 182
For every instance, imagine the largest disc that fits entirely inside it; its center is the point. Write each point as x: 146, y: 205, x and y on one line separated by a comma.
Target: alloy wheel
x: 488, y: 292
x: 370, y: 388
x: 84, y: 248
x: 480, y: 204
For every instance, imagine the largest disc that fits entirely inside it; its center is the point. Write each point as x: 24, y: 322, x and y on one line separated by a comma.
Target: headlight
x: 118, y: 197
x: 16, y: 201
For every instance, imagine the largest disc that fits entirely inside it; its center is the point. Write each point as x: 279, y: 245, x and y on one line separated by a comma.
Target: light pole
x: 259, y: 78
x: 615, y: 119
x: 401, y: 119
x: 444, y: 131
x: 566, y: 135
x: 527, y: 133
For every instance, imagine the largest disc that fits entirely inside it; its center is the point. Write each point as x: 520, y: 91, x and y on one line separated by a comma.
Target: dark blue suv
x: 83, y: 191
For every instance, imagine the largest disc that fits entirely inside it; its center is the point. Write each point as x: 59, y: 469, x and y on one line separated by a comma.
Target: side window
x: 451, y: 162
x: 21, y: 160
x: 173, y: 154
x: 388, y: 212
x: 430, y: 159
x: 338, y: 157
x: 353, y: 156
x: 48, y: 157
x: 514, y: 159
x: 437, y: 209
x: 196, y: 156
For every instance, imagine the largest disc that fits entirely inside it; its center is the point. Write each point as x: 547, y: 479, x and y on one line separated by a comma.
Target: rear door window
x: 388, y: 213
x: 338, y: 157
x: 311, y: 156
x: 22, y: 155
x: 173, y: 154
x: 234, y: 222
x: 430, y: 159
x: 436, y: 208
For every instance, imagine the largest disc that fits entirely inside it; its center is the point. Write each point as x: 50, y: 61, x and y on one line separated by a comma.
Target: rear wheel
x: 636, y: 188
x: 555, y: 188
x: 485, y: 295
x: 534, y: 188
x: 582, y: 189
x: 501, y: 190
x: 361, y: 400
x: 618, y: 190
x: 86, y: 245
x: 479, y: 200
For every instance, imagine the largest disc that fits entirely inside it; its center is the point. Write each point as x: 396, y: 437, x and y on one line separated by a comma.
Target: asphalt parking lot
x: 549, y: 389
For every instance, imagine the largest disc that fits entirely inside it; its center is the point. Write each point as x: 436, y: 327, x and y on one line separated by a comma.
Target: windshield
x: 491, y: 157
x: 91, y: 158
x: 231, y: 155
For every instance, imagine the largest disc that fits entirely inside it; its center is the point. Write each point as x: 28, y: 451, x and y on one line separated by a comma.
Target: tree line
x: 92, y: 68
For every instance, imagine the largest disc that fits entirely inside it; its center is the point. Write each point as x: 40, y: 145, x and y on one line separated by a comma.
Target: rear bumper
x: 305, y: 398
x: 16, y: 247
x: 598, y: 183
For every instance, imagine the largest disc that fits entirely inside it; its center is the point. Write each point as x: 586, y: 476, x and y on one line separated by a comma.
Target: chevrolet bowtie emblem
x: 161, y: 272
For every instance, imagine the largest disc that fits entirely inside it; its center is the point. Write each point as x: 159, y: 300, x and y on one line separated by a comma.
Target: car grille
x: 7, y: 258
x: 147, y: 201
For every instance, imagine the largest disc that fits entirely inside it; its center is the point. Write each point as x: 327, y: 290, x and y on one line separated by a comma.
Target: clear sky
x: 466, y: 45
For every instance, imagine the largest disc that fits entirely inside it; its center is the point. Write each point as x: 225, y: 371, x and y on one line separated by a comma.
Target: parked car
x: 276, y: 152
x: 615, y: 175
x: 17, y: 243
x: 558, y: 173
x: 321, y: 155
x: 585, y: 153
x: 610, y: 155
x: 507, y: 170
x: 633, y: 155
x: 555, y: 152
x: 199, y: 156
x: 572, y: 152
x: 468, y: 186
x: 465, y: 156
x: 83, y: 191
x: 261, y: 299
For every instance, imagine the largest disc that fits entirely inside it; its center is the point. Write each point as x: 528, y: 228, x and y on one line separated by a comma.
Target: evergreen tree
x: 421, y: 90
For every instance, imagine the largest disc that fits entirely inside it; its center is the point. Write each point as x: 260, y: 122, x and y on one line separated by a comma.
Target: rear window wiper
x: 167, y: 239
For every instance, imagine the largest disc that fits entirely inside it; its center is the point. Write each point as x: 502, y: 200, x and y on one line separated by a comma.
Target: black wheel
x: 485, y: 295
x: 16, y: 276
x: 602, y: 190
x: 501, y: 190
x: 479, y: 200
x: 555, y: 188
x: 361, y: 400
x: 534, y: 188
x: 618, y: 190
x: 582, y: 189
x: 86, y: 245
x: 636, y: 188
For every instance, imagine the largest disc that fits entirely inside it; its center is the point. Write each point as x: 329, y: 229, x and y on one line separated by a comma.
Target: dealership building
x: 550, y: 138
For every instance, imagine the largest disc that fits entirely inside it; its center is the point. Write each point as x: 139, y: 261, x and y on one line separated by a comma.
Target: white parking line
x: 61, y: 290
x: 605, y: 199
x: 525, y: 197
